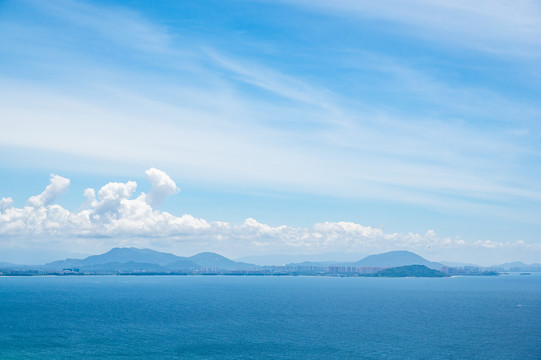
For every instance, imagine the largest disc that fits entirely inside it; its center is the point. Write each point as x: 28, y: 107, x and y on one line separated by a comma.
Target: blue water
x: 177, y: 317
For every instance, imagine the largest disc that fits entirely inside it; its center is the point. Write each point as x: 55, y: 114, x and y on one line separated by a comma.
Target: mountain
x: 151, y: 260
x: 518, y: 266
x: 515, y: 264
x: 385, y: 260
x: 212, y: 260
x: 279, y: 260
x: 123, y: 255
x: 183, y: 264
x: 394, y: 259
x: 118, y: 255
x: 129, y: 267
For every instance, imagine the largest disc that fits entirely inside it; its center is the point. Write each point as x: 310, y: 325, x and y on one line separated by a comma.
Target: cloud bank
x: 114, y: 216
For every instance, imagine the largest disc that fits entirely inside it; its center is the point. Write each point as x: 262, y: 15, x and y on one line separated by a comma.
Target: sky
x: 256, y: 127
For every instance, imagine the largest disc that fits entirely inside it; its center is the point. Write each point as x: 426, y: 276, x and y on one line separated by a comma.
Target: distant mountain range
x: 384, y: 260
x: 516, y: 265
x: 396, y: 258
x: 281, y: 259
x: 133, y: 259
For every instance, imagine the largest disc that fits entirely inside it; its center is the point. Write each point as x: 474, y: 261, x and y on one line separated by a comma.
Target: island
x: 409, y: 271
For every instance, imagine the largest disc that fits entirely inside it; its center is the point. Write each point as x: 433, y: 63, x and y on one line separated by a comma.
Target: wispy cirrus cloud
x: 138, y: 92
x: 119, y: 25
x: 500, y: 27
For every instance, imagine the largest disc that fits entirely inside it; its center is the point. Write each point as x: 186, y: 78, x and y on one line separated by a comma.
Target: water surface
x: 227, y: 317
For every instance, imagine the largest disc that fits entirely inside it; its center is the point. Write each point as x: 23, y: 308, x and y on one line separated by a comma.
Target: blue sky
x: 418, y: 119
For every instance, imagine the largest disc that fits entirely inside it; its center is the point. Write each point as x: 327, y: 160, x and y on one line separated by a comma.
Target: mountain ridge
x: 396, y: 258
x: 157, y: 261
x: 382, y: 260
x: 164, y: 261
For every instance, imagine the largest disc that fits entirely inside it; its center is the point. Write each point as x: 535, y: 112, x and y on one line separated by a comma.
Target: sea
x: 266, y: 317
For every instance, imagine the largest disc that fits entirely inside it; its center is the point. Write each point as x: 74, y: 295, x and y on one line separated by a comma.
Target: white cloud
x: 118, y: 24
x: 115, y: 215
x: 209, y: 124
x: 495, y: 26
x: 318, y: 142
x: 58, y: 185
x: 5, y: 203
x: 110, y: 197
x: 162, y: 187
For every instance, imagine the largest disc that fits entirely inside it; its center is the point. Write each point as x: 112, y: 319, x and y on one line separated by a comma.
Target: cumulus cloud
x: 162, y: 187
x: 58, y: 185
x: 114, y: 213
x: 111, y: 197
x: 5, y: 203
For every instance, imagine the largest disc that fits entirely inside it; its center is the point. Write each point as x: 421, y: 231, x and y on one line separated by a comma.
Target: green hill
x: 409, y: 271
